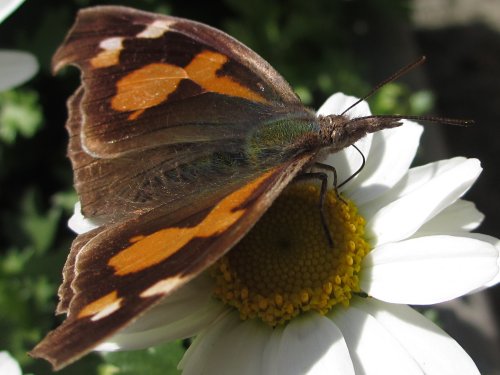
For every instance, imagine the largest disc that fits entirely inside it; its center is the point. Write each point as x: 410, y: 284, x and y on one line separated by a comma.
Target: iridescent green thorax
x: 280, y: 139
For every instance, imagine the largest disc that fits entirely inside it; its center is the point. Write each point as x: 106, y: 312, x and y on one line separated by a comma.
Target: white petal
x: 478, y: 236
x: 373, y: 349
x: 183, y: 314
x: 496, y: 279
x: 228, y: 347
x: 403, y: 217
x: 16, y: 67
x: 80, y: 224
x: 8, y: 365
x: 428, y: 270
x: 493, y: 241
x: 348, y: 160
x: 460, y: 216
x: 414, y: 179
x: 434, y: 351
x: 7, y: 7
x: 339, y: 102
x: 389, y: 159
x: 310, y: 344
x: 201, y: 348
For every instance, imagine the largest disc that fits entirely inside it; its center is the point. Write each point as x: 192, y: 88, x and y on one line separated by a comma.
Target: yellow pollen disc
x: 285, y: 266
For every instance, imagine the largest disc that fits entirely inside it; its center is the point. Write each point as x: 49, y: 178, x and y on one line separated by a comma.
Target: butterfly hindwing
x: 113, y: 189
x: 120, y: 272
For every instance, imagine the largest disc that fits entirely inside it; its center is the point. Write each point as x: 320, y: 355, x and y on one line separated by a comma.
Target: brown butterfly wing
x: 132, y: 157
x: 121, y: 271
x: 166, y: 80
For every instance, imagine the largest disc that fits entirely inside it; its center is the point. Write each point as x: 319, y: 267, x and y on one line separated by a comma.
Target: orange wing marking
x: 152, y: 84
x: 101, y: 307
x: 158, y: 246
x: 203, y: 70
x: 147, y: 87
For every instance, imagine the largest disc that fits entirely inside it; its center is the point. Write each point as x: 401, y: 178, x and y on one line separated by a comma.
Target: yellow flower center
x: 285, y: 265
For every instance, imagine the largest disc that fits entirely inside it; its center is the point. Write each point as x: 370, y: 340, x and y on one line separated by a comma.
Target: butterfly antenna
x: 393, y: 77
x: 433, y: 119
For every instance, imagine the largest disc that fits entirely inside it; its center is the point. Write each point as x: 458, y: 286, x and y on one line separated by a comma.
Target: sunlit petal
x: 403, y: 217
x: 383, y: 170
x: 428, y: 270
x: 79, y: 223
x: 373, y: 349
x: 228, y: 347
x: 459, y: 216
x: 434, y: 351
x: 311, y: 345
x: 413, y: 180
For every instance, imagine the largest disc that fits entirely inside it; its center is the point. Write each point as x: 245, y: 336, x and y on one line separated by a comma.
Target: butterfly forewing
x: 166, y: 80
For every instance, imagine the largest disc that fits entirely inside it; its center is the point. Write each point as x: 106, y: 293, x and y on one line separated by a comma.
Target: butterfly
x: 180, y: 138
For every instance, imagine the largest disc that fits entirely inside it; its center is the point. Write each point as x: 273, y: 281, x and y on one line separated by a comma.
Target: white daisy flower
x: 16, y: 67
x: 284, y: 302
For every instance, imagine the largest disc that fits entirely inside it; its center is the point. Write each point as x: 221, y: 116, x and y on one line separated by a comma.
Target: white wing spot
x: 156, y: 29
x: 108, y: 310
x: 112, y: 44
x: 162, y: 287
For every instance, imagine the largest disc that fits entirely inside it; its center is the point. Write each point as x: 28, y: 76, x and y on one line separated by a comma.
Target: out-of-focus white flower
x: 7, y: 7
x: 16, y: 67
x: 8, y: 365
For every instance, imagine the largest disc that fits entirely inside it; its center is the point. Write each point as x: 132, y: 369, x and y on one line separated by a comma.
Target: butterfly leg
x: 335, y: 179
x: 324, y: 183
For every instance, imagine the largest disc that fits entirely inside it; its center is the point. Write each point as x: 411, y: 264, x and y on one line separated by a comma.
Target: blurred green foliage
x: 311, y: 43
x: 20, y: 115
x: 159, y: 360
